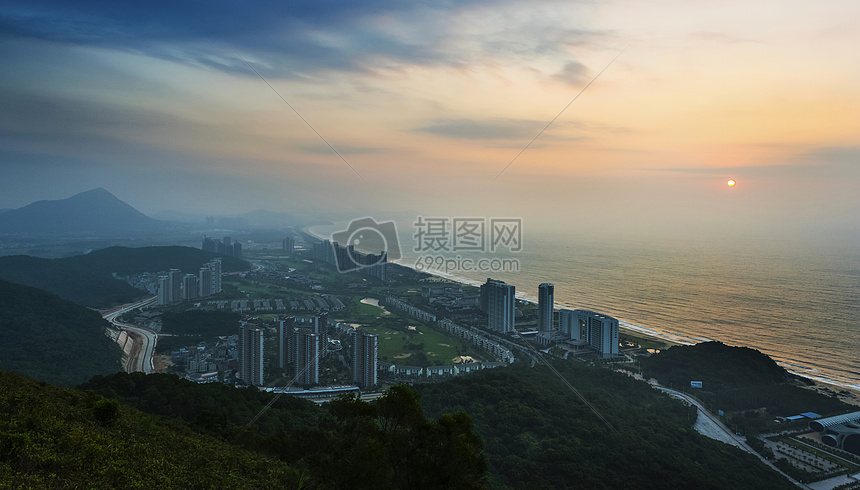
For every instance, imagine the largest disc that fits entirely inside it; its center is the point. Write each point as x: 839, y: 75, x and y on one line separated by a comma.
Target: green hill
x: 214, y: 408
x: 538, y: 434
x: 737, y: 379
x: 53, y: 437
x: 85, y: 287
x: 88, y: 279
x: 347, y: 443
x: 124, y: 261
x: 52, y: 339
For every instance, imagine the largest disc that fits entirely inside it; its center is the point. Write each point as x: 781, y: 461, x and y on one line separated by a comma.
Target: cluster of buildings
x: 414, y: 311
x: 577, y: 329
x: 348, y: 259
x: 417, y: 373
x: 313, y: 303
x: 450, y: 297
x: 480, y: 339
x: 302, y: 341
x: 225, y: 246
x: 176, y: 286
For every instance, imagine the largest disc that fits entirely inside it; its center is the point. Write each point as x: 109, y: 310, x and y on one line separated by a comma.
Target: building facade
x: 364, y: 358
x: 250, y: 354
x: 189, y: 286
x: 546, y: 301
x: 500, y: 305
x: 307, y: 358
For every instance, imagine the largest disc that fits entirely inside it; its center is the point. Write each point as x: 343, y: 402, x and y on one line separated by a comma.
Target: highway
x: 144, y: 338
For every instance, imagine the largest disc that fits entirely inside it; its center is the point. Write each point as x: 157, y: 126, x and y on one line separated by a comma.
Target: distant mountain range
x: 95, y: 212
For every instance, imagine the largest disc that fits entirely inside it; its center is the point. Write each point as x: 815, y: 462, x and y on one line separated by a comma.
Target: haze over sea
x: 797, y: 301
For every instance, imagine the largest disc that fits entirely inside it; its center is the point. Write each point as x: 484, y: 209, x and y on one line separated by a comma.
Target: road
x: 713, y: 424
x: 144, y: 338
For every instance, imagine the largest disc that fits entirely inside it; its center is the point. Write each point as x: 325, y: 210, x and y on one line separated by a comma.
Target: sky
x: 642, y: 110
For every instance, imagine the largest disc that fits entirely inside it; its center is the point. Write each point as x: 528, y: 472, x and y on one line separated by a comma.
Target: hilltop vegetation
x: 538, y: 434
x: 347, y: 444
x: 88, y: 279
x: 737, y: 379
x: 87, y: 288
x: 535, y: 433
x: 52, y: 339
x: 125, y: 261
x: 214, y: 408
x: 53, y: 437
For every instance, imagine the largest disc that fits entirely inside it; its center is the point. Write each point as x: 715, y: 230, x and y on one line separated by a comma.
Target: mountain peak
x: 95, y: 211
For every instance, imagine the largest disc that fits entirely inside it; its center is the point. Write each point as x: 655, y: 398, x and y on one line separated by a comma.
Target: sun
x: 731, y: 183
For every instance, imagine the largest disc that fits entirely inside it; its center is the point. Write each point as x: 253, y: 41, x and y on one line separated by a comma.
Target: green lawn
x: 401, y: 345
x: 261, y: 290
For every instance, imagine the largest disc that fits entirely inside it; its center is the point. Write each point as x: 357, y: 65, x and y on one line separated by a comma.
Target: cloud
x: 825, y: 162
x: 344, y: 149
x: 287, y: 38
x: 574, y: 73
x: 293, y: 39
x: 491, y: 129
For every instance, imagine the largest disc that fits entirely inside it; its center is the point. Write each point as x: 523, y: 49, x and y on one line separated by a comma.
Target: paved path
x: 712, y: 424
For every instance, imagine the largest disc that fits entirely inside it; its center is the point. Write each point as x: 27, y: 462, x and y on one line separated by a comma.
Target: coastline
x: 669, y: 338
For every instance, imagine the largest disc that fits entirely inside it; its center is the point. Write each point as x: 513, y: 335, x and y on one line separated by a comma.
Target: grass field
x: 260, y: 290
x: 422, y: 346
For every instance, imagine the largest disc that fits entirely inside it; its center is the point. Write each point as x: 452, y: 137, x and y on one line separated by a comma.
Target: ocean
x: 797, y: 302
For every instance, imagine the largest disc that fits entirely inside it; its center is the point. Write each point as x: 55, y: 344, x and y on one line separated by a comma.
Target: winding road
x: 717, y: 430
x: 140, y: 359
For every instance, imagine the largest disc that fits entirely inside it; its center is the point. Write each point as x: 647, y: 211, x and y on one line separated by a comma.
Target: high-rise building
x: 227, y: 241
x: 599, y: 330
x: 174, y: 285
x: 364, y: 358
x: 163, y: 290
x: 570, y: 326
x: 286, y: 344
x: 288, y: 244
x: 237, y: 250
x: 204, y: 282
x: 208, y: 244
x: 546, y: 299
x: 500, y: 301
x: 250, y: 354
x: 189, y: 286
x: 215, y: 268
x: 307, y: 359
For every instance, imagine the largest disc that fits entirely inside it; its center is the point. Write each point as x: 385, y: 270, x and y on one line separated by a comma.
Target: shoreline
x: 669, y: 338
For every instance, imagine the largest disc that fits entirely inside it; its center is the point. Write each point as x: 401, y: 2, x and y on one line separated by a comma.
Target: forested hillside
x: 345, y: 444
x: 53, y: 437
x: 737, y: 379
x: 125, y: 261
x: 52, y: 339
x: 85, y: 287
x: 538, y: 434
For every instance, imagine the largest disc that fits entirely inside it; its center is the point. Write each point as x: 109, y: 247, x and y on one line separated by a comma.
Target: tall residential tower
x: 499, y: 299
x: 546, y: 299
